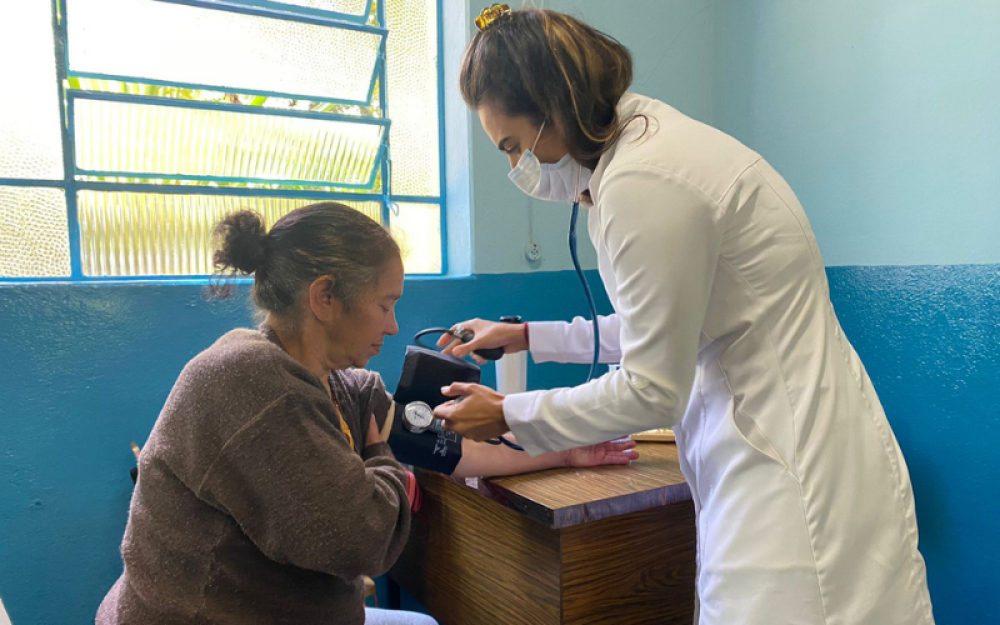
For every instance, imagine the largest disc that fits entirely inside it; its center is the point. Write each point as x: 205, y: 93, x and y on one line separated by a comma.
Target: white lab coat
x: 725, y: 332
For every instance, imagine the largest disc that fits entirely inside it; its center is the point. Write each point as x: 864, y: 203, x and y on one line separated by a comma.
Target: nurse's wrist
x: 517, y: 337
x: 503, y: 414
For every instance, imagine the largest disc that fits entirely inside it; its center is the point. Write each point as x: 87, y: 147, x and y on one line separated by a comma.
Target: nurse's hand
x: 476, y: 414
x: 488, y: 334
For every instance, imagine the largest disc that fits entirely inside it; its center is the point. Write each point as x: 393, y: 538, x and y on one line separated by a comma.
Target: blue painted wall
x: 85, y: 371
x: 930, y: 339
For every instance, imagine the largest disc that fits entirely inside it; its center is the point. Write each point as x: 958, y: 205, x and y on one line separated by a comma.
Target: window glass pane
x: 146, y: 234
x: 34, y: 235
x: 162, y: 41
x: 173, y: 141
x: 412, y: 92
x: 417, y: 229
x: 30, y: 145
x: 355, y: 8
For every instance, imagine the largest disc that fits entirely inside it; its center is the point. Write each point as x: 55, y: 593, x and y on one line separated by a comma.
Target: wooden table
x: 600, y: 545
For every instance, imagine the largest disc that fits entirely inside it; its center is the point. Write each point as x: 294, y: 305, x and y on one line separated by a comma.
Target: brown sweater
x: 251, y: 507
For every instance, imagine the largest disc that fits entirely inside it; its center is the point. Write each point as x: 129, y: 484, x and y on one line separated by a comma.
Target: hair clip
x: 491, y: 14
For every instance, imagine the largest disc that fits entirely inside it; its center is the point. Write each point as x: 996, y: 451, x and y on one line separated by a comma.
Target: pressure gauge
x: 418, y: 417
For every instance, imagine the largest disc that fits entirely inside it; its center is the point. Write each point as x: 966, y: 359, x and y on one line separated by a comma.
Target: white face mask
x: 563, y: 181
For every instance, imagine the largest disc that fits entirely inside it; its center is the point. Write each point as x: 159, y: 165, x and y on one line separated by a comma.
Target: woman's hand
x: 477, y: 414
x: 488, y: 334
x: 602, y: 453
x: 413, y: 492
x: 373, y: 438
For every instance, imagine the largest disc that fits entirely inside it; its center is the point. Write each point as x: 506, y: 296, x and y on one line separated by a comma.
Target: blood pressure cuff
x: 425, y: 371
x: 435, y: 451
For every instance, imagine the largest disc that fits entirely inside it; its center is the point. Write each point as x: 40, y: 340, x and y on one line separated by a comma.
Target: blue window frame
x: 108, y: 139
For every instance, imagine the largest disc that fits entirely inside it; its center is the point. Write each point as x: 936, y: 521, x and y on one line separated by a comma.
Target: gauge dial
x: 418, y: 416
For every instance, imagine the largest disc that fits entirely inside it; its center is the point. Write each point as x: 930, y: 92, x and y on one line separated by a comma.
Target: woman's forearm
x: 485, y: 460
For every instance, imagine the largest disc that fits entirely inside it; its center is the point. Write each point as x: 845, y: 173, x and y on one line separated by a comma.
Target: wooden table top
x: 560, y: 498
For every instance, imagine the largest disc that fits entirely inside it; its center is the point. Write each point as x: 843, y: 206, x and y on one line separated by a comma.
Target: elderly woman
x: 266, y: 491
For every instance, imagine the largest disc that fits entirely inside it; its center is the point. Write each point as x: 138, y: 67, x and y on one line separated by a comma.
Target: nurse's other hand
x: 488, y: 334
x: 602, y: 453
x: 477, y: 414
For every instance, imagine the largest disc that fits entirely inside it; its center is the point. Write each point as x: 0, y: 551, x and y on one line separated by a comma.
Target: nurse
x: 723, y: 327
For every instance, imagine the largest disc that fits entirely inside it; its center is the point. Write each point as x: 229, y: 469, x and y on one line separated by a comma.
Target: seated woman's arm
x: 486, y: 460
x: 449, y: 453
x: 304, y: 497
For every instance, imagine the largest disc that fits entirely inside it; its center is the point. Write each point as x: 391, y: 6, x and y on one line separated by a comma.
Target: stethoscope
x: 586, y: 290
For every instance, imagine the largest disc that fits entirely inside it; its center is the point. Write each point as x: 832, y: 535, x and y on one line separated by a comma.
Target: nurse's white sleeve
x: 558, y: 341
x: 662, y: 237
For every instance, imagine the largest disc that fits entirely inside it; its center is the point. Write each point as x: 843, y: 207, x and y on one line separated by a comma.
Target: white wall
x: 671, y: 41
x: 882, y: 116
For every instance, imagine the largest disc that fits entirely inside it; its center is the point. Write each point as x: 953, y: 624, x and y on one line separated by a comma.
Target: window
x: 137, y: 124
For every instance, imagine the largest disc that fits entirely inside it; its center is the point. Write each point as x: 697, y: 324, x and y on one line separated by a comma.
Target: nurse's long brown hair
x: 551, y: 67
